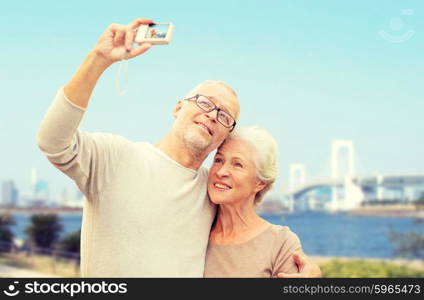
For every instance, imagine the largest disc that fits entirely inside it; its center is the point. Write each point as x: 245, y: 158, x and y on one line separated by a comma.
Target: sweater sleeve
x: 287, y: 244
x: 88, y: 158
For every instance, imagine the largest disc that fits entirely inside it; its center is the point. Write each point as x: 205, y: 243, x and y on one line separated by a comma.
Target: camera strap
x: 121, y: 80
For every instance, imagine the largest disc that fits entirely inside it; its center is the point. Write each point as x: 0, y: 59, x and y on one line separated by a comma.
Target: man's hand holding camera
x: 117, y: 42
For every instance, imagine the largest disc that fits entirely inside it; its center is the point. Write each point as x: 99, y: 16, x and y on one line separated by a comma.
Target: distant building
x: 41, y: 190
x: 271, y: 205
x: 9, y: 194
x: 68, y: 199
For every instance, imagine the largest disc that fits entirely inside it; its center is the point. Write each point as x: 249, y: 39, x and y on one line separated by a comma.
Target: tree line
x: 42, y: 235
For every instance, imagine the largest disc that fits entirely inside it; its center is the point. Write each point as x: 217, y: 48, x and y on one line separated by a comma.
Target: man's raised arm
x: 61, y: 121
x: 115, y: 44
x: 82, y: 155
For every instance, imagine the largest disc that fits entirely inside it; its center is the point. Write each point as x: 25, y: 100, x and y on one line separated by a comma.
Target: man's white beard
x: 195, y: 141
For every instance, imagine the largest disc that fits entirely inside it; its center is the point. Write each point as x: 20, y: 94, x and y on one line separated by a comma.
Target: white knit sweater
x: 145, y: 215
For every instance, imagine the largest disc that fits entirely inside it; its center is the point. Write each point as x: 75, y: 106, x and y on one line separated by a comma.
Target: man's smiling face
x: 201, y: 130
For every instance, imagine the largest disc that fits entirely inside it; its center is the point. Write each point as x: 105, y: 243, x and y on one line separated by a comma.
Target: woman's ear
x: 260, y: 185
x: 177, y: 108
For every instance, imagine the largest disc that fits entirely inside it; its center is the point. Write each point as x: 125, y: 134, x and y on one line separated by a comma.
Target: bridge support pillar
x: 380, y: 188
x: 409, y: 193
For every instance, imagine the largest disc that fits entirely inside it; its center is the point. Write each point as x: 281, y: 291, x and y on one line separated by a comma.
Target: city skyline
x: 326, y: 70
x: 38, y: 195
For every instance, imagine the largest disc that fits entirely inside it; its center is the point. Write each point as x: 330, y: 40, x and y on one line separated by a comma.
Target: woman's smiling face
x: 233, y: 176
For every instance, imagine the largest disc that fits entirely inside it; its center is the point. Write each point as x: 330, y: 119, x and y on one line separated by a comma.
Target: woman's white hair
x: 266, y: 152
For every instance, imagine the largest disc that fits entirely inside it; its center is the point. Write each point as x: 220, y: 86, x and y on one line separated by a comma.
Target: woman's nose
x: 223, y: 171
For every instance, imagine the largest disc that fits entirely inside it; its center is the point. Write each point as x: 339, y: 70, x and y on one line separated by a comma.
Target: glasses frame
x: 196, y: 97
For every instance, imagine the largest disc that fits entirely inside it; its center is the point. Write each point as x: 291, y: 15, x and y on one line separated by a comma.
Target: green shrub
x: 366, y: 269
x: 44, y: 230
x: 71, y: 243
x: 6, y: 234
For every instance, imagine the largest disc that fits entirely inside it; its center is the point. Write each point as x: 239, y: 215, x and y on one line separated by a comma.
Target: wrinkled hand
x: 307, y: 269
x: 116, y: 43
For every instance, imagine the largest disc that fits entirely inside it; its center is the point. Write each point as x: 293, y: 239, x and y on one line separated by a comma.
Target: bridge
x: 346, y: 190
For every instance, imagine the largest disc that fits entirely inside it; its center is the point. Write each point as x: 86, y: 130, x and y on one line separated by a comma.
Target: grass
x: 354, y: 268
x: 42, y: 264
x: 357, y: 268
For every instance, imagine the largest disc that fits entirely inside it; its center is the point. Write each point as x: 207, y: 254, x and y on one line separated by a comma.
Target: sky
x: 308, y: 71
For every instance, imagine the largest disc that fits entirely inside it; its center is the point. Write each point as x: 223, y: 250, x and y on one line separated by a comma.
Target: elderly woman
x: 242, y: 244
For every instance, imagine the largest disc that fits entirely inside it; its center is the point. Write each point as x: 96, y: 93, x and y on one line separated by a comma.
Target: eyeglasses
x: 207, y: 105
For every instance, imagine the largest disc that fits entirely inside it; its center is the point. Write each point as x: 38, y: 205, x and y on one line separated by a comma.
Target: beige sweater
x: 145, y: 215
x: 265, y: 255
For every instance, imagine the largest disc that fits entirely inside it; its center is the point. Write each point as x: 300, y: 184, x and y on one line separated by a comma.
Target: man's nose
x: 212, y: 115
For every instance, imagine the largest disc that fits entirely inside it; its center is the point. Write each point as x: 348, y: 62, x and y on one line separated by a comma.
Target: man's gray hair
x: 265, y: 157
x: 211, y: 82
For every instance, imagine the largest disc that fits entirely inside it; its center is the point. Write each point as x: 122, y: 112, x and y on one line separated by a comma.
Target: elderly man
x: 146, y: 212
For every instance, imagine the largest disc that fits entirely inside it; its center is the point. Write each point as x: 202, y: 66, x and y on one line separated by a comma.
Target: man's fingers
x: 300, y: 260
x: 118, y: 38
x: 129, y: 39
x: 131, y: 31
x: 137, y: 22
x: 292, y: 275
x: 139, y: 50
x: 113, y: 27
x: 282, y: 275
x: 121, y: 39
